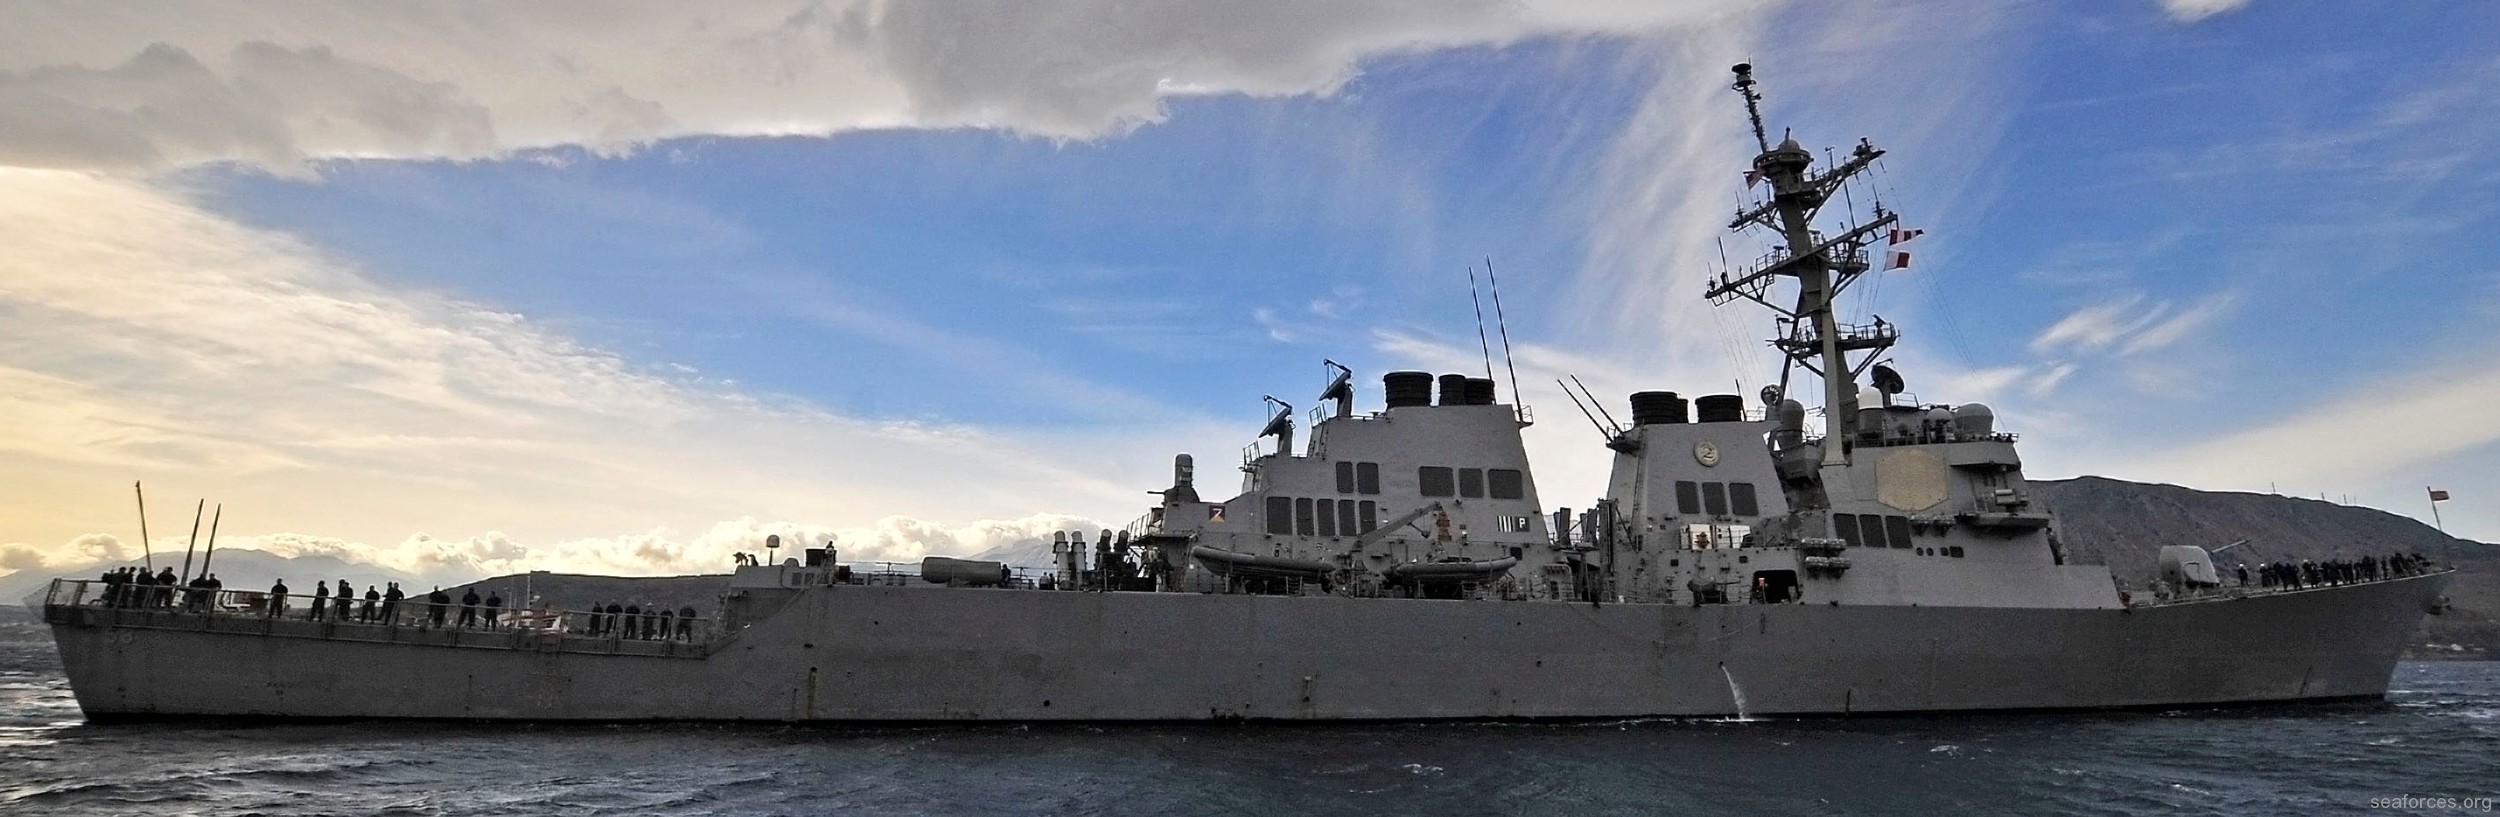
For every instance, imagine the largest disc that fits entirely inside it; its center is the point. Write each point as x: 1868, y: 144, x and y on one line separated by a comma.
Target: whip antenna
x: 1480, y: 340
x: 144, y: 550
x: 1601, y: 406
x: 1602, y: 430
x: 213, y: 519
x: 197, y: 512
x: 1502, y: 323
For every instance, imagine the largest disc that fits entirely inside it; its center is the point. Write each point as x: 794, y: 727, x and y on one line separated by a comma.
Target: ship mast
x: 1822, y: 266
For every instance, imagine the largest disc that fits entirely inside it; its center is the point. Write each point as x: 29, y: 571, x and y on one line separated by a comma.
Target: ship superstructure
x: 1710, y: 502
x: 1397, y: 563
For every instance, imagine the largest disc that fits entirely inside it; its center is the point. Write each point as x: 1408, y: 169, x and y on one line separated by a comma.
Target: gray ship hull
x: 866, y: 653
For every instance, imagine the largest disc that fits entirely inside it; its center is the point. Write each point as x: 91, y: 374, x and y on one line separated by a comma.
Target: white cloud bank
x: 277, y: 85
x: 148, y: 338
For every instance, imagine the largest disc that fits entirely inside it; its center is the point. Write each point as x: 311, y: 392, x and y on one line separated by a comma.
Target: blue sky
x: 925, y: 301
x: 1137, y: 261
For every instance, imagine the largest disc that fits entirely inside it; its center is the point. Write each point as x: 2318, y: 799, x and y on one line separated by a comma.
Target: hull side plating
x: 880, y: 653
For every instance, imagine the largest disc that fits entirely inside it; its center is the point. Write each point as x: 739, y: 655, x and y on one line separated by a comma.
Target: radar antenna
x: 1753, y: 104
x: 1813, y: 337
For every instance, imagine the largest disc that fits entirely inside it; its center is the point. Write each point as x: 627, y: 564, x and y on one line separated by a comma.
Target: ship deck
x: 80, y: 603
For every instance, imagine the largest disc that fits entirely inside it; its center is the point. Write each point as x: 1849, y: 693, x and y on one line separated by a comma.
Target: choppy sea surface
x: 2434, y: 745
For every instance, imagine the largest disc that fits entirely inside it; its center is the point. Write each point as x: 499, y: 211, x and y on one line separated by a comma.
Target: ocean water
x: 2436, y: 739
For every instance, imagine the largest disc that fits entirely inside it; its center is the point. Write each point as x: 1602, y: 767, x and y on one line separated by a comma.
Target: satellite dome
x: 1974, y: 419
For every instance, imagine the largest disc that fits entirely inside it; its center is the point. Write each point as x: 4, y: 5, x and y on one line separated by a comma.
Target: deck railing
x: 90, y: 601
x: 2232, y: 588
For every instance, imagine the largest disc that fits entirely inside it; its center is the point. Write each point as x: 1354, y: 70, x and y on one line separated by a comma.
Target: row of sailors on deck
x: 382, y: 605
x: 641, y: 622
x: 136, y: 587
x: 133, y: 587
x: 2306, y: 573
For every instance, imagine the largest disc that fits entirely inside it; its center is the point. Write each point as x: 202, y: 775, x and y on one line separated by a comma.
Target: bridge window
x: 1345, y: 517
x: 1367, y: 478
x: 1471, y: 483
x: 1280, y: 515
x: 1871, y: 530
x: 1327, y: 517
x: 1741, y: 499
x: 1506, y: 483
x: 1899, y: 529
x: 1370, y: 516
x: 1436, y: 481
x: 1345, y: 477
x: 1845, y: 526
x: 1714, y: 498
x: 1687, y: 498
x: 1302, y: 518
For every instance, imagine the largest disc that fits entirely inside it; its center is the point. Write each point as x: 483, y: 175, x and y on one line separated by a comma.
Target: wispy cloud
x: 195, y: 82
x: 2189, y: 11
x: 2095, y: 326
x: 2131, y: 324
x: 2374, y: 429
x: 1277, y: 328
x: 1661, y: 197
x: 2046, y: 382
x: 2166, y: 329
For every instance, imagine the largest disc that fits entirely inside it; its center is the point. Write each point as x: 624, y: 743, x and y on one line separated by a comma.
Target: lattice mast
x: 1823, y: 266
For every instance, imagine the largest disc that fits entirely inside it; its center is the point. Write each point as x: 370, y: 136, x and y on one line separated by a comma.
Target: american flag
x: 2438, y: 495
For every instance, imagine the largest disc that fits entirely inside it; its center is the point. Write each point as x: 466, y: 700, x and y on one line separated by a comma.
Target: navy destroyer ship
x: 1399, y: 564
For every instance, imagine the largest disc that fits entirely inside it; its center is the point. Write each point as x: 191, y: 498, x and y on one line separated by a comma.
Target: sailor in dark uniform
x: 277, y: 599
x: 494, y: 607
x: 468, y: 608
